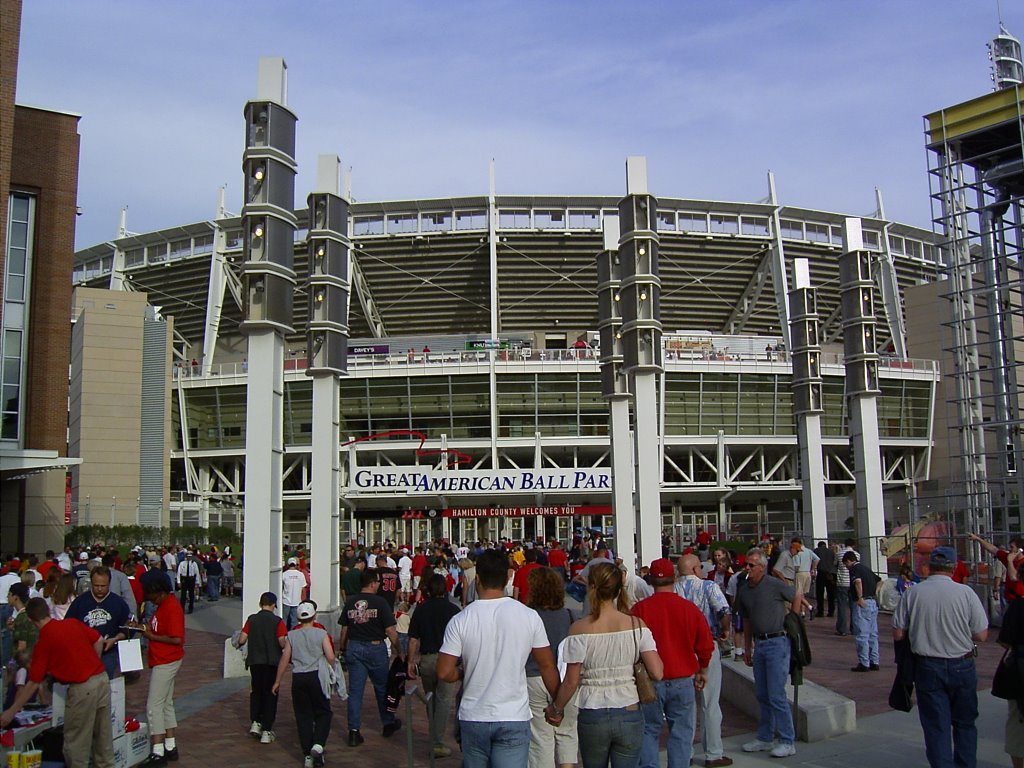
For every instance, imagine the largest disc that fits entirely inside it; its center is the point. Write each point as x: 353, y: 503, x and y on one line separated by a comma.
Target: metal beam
x: 751, y: 295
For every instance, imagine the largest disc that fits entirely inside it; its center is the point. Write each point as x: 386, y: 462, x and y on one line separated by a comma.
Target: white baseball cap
x: 307, y: 610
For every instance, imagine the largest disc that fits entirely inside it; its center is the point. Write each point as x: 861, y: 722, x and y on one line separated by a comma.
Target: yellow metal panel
x: 976, y: 114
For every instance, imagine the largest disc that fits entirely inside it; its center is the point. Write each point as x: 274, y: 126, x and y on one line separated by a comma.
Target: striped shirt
x: 706, y: 595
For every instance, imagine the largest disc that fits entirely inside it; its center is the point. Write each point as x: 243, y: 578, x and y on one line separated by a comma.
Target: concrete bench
x: 821, y: 714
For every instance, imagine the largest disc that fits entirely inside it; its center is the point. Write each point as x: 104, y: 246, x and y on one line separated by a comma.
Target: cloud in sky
x: 417, y: 97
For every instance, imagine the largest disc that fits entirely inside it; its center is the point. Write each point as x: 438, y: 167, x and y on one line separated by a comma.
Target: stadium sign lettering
x: 525, y: 511
x: 423, y: 480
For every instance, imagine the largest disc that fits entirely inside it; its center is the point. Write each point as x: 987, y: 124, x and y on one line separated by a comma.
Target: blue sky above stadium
x: 417, y: 97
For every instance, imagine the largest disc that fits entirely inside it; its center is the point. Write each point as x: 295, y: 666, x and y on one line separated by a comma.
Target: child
x: 20, y: 663
x: 403, y: 617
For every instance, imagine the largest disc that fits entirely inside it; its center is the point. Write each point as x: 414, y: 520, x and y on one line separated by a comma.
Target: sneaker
x: 267, y: 737
x: 154, y: 759
x: 783, y: 750
x: 719, y: 762
x: 317, y: 753
x: 355, y: 738
x: 874, y: 668
x: 440, y: 750
x: 255, y: 729
x: 391, y: 728
x: 757, y: 746
x: 171, y: 754
x: 307, y: 761
x: 860, y: 668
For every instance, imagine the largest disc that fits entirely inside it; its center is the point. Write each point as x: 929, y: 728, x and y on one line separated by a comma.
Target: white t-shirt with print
x: 293, y: 581
x: 494, y: 638
x: 405, y: 567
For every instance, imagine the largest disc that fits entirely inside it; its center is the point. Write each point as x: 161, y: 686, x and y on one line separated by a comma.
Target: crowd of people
x: 557, y: 685
x: 64, y: 617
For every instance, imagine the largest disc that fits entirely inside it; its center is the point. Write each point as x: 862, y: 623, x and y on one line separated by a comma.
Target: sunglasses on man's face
x: 753, y: 565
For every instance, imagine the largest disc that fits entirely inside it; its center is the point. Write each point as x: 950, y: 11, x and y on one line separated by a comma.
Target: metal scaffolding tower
x: 976, y: 175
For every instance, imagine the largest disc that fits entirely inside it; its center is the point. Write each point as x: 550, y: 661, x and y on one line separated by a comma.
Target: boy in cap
x: 293, y: 591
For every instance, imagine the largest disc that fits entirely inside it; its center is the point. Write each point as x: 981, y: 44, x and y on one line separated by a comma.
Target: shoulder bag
x: 644, y: 685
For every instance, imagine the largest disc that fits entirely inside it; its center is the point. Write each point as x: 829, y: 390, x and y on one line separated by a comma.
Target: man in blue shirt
x: 105, y: 612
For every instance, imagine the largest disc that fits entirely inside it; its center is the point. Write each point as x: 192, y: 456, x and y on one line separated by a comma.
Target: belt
x: 769, y: 635
x: 367, y: 642
x: 969, y: 655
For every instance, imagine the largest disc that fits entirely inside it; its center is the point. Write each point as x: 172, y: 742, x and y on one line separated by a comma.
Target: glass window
x: 470, y: 220
x: 549, y: 219
x: 818, y: 233
x: 584, y: 219
x: 135, y: 257
x: 180, y: 249
x: 156, y: 253
x: 837, y: 235
x: 202, y: 244
x: 693, y: 222
x: 871, y: 241
x: 233, y: 239
x: 755, y: 225
x: 436, y: 222
x: 913, y: 248
x: 725, y: 224
x: 792, y: 229
x: 106, y: 264
x: 402, y: 223
x: 896, y: 245
x: 368, y: 225
x: 666, y: 221
x: 514, y: 219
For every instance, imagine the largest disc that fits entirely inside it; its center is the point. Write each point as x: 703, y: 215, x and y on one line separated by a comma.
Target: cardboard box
x: 131, y: 748
x: 117, y: 711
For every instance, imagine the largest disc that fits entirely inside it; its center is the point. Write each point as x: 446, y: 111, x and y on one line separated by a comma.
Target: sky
x: 417, y: 97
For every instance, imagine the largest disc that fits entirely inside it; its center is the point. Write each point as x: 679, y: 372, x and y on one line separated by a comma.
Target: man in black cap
x: 863, y: 583
x: 265, y: 633
x: 943, y: 620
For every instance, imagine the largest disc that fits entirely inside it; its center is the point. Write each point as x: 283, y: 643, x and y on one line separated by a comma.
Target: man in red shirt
x: 520, y: 585
x: 558, y: 560
x: 419, y: 562
x: 685, y: 645
x: 166, y: 634
x: 69, y: 651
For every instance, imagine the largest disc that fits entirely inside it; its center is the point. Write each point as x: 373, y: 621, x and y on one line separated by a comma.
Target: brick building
x: 38, y: 204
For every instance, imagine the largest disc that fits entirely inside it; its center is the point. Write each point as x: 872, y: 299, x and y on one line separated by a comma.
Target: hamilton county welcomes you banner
x: 429, y: 480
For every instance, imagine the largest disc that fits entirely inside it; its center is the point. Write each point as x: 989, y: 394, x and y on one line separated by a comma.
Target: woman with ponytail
x: 599, y: 653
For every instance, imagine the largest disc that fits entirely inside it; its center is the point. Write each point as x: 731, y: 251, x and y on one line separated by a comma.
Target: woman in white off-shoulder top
x: 600, y: 652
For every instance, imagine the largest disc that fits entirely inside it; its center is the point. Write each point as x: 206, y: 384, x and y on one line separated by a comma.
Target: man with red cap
x: 685, y: 645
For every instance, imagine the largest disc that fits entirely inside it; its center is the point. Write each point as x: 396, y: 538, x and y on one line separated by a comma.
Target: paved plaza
x: 213, y: 712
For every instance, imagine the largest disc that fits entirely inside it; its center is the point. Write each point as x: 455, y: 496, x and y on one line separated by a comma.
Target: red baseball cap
x: 662, y: 568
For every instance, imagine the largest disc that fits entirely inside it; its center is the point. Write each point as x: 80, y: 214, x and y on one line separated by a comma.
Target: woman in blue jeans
x: 599, y: 652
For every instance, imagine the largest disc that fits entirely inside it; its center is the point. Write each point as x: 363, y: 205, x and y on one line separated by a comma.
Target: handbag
x: 644, y: 685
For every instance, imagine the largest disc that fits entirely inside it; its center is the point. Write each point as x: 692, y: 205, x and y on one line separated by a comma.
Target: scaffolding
x: 976, y: 179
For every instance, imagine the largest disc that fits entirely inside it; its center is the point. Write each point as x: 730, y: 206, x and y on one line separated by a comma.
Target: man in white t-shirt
x: 404, y: 574
x: 293, y: 588
x: 494, y: 636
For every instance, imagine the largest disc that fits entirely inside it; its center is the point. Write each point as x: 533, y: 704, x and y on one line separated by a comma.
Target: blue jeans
x: 291, y: 616
x: 503, y: 744
x: 677, y: 703
x: 367, y: 660
x: 865, y: 632
x: 843, y: 610
x: 947, y: 700
x: 771, y: 666
x: 213, y: 588
x: 610, y: 736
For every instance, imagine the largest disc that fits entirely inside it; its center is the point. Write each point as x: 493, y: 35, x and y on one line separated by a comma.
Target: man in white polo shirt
x: 293, y: 591
x: 494, y: 636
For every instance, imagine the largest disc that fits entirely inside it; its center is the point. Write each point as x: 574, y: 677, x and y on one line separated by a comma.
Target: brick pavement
x: 219, y: 720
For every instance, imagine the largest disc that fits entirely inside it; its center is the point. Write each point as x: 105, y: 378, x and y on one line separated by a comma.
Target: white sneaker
x: 757, y: 746
x: 307, y: 761
x: 783, y: 750
x: 255, y: 729
x: 267, y: 737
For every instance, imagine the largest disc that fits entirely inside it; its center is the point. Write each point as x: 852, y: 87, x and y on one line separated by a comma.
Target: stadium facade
x: 525, y: 421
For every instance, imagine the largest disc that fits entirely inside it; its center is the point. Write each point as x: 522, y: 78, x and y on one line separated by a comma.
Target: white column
x: 264, y: 452
x: 648, y: 467
x: 868, y: 475
x: 815, y: 522
x: 324, y: 508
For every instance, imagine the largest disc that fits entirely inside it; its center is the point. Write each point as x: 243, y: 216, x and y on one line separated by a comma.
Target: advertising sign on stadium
x: 370, y: 349
x: 428, y: 480
x: 555, y: 511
